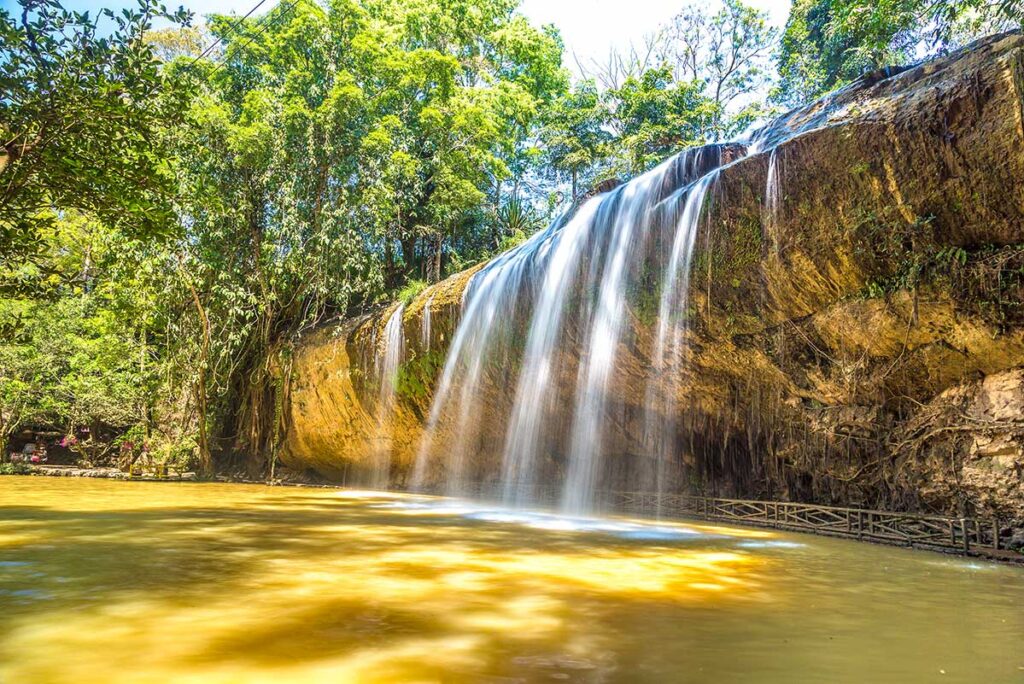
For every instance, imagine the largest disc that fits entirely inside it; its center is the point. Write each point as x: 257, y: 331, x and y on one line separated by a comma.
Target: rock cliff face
x: 856, y: 317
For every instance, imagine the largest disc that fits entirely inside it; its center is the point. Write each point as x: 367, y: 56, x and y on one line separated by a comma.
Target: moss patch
x: 417, y: 375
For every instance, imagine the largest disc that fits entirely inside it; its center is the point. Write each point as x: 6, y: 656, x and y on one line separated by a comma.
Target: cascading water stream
x: 665, y: 382
x: 394, y: 345
x: 533, y: 399
x: 532, y: 373
x: 772, y: 195
x: 425, y: 329
x: 566, y: 372
x: 635, y: 205
x: 490, y: 295
x: 524, y: 314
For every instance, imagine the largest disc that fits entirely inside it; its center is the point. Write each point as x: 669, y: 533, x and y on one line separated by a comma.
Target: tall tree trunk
x: 389, y: 263
x: 496, y: 231
x: 255, y: 380
x: 434, y: 270
x: 147, y: 400
x: 5, y: 438
x: 409, y: 254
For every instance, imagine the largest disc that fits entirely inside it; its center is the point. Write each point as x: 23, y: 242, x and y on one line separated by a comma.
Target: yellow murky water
x: 149, y: 582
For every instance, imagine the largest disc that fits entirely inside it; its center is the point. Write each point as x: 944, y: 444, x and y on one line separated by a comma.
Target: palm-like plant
x: 514, y: 222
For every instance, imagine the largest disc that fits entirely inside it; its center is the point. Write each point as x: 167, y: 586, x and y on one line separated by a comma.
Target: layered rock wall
x: 860, y: 341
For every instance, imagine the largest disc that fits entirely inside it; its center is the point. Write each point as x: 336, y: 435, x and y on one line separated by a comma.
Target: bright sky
x: 589, y: 27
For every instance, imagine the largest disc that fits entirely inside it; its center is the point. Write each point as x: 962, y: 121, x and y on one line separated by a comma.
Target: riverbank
x: 102, y: 473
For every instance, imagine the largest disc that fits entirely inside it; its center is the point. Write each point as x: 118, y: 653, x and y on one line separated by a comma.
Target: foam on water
x: 548, y: 520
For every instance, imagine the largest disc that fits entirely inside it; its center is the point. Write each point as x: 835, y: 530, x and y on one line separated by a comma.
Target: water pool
x: 104, y: 581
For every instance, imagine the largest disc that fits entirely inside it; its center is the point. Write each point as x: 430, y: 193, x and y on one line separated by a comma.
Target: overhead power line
x: 263, y: 27
x: 233, y: 27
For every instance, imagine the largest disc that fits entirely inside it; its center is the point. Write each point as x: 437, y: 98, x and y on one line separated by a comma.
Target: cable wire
x: 263, y: 27
x: 233, y: 27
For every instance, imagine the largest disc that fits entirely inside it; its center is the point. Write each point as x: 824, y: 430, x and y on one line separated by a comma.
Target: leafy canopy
x: 84, y: 109
x: 828, y: 43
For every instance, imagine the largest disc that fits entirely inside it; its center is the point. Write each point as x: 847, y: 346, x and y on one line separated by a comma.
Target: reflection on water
x: 150, y: 582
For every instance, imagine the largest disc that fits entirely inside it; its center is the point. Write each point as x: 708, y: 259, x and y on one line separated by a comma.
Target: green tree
x: 828, y: 43
x: 82, y: 356
x: 27, y: 372
x: 655, y: 115
x: 724, y: 54
x: 574, y: 135
x: 728, y: 52
x: 332, y: 154
x: 82, y: 118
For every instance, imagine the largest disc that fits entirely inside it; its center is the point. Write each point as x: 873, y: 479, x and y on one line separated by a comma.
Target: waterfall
x: 539, y: 336
x: 566, y: 374
x: 490, y: 296
x: 668, y: 359
x: 772, y: 195
x: 534, y: 393
x: 635, y: 205
x: 425, y: 329
x: 388, y: 362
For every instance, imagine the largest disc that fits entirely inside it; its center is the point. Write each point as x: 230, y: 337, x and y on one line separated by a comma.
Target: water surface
x: 149, y: 582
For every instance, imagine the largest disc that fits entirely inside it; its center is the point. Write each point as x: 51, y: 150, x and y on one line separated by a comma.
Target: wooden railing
x: 965, y: 535
x: 960, y: 534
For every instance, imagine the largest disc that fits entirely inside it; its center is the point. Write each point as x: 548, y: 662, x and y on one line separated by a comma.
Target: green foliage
x: 82, y: 121
x: 986, y: 281
x: 745, y: 248
x: 645, y: 297
x: 727, y: 53
x: 515, y: 220
x: 14, y: 469
x: 828, y: 43
x: 411, y: 289
x: 903, y: 252
x: 178, y: 454
x: 79, y: 356
x: 732, y: 259
x: 339, y: 152
x: 657, y: 115
x: 511, y: 240
x: 574, y: 134
x: 696, y: 80
x: 417, y: 375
